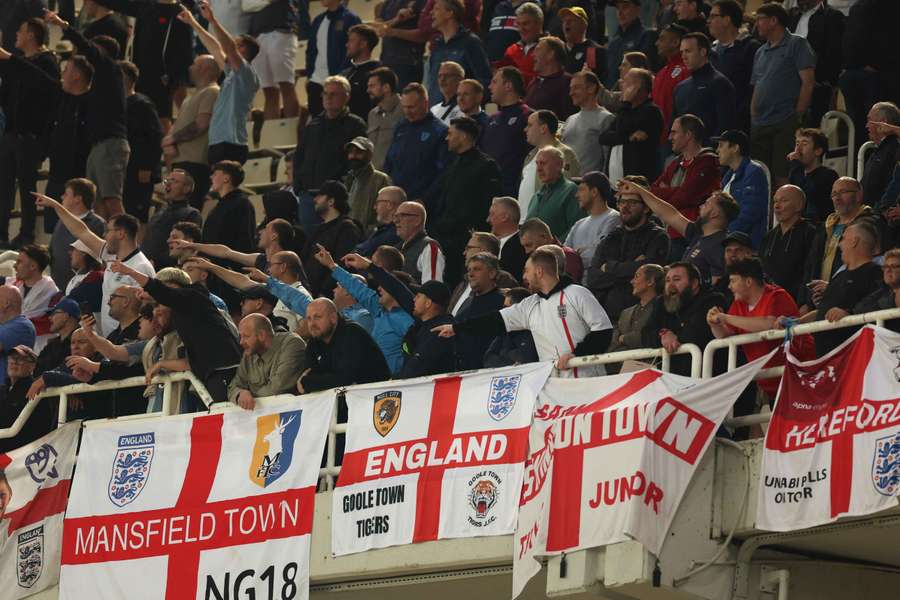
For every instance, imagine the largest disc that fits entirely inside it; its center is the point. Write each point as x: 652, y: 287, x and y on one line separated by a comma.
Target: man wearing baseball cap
x: 19, y: 377
x: 582, y: 51
x: 337, y: 233
x: 631, y: 36
x: 64, y: 318
x: 363, y: 181
x: 737, y: 247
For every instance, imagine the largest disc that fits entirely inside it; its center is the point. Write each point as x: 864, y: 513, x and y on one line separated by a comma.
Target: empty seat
x: 279, y: 134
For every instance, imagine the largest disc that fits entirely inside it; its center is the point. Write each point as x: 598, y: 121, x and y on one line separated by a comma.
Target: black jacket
x: 471, y: 345
x: 232, y: 222
x: 881, y: 299
x: 638, y: 158
x: 28, y: 98
x: 320, y: 153
x: 825, y: 35
x: 12, y: 401
x: 870, y: 38
x: 207, y: 339
x: 425, y: 352
x: 817, y: 186
x: 106, y: 117
x: 512, y: 257
x: 339, y: 237
x: 736, y: 63
x: 156, y: 234
x: 351, y: 357
x: 459, y: 202
x: 618, y: 252
x: 845, y: 290
x: 784, y: 256
x: 688, y: 324
x: 512, y: 348
x: 358, y: 76
x: 879, y: 169
x: 709, y: 95
x: 144, y: 136
x: 112, y: 26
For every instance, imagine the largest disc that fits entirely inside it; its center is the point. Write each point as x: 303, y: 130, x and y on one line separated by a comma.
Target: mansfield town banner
x: 197, y: 507
x: 833, y: 446
x: 611, y: 457
x: 434, y: 458
x: 34, y: 485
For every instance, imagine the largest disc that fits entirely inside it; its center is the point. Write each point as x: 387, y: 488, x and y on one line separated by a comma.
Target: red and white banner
x: 196, y: 507
x: 833, y: 446
x: 611, y: 458
x: 434, y: 458
x: 34, y: 485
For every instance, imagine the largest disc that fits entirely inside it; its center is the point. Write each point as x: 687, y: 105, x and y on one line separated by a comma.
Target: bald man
x: 423, y: 257
x: 785, y: 247
x: 15, y: 328
x: 187, y: 145
x: 269, y: 365
x: 340, y: 352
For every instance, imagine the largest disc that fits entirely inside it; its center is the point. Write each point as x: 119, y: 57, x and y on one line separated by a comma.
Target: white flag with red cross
x: 34, y: 486
x: 611, y: 458
x: 833, y: 445
x: 434, y: 458
x: 196, y: 507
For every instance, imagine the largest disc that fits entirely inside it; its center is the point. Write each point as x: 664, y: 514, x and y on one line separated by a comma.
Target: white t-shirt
x: 526, y: 188
x: 113, y: 281
x: 320, y: 69
x: 292, y: 318
x: 558, y: 323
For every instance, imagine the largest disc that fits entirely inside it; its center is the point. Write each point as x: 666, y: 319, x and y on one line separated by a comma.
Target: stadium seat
x: 258, y: 171
x: 279, y: 134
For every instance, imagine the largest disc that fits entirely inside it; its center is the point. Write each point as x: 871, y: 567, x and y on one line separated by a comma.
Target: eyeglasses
x: 398, y: 215
x: 839, y: 193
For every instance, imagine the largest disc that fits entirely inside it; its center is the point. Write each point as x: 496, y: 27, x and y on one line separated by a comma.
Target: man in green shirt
x: 270, y: 364
x: 554, y: 203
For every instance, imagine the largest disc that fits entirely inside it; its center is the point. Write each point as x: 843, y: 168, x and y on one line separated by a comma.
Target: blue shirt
x: 297, y: 301
x: 418, y: 153
x: 229, y: 117
x: 750, y: 187
x: 464, y: 48
x: 17, y: 331
x: 776, y: 77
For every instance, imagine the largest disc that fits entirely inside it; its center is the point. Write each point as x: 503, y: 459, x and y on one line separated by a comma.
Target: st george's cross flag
x: 611, y: 457
x: 196, y: 507
x: 34, y: 486
x: 833, y: 446
x: 434, y: 458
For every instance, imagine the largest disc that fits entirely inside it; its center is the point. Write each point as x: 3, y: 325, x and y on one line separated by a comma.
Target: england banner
x: 434, y: 458
x: 34, y: 485
x: 833, y: 445
x: 196, y: 507
x: 611, y: 458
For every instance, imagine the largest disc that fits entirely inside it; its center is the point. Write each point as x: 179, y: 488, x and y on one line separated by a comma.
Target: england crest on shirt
x: 131, y: 467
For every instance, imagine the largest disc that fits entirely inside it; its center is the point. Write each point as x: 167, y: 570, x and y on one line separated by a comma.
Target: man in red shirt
x: 530, y: 23
x: 674, y: 72
x: 757, y: 306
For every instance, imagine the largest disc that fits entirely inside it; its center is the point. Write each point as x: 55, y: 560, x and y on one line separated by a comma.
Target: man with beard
x: 269, y: 364
x: 704, y: 236
x: 679, y: 316
x: 638, y: 241
x: 337, y: 233
x: 382, y: 89
x: 738, y: 247
x: 363, y: 181
x: 177, y: 193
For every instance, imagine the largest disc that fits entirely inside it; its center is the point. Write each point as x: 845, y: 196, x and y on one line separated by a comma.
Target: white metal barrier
x: 832, y: 115
x: 861, y: 159
x: 643, y: 354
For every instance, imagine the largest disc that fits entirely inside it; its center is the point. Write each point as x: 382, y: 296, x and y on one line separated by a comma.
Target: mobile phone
x: 85, y: 308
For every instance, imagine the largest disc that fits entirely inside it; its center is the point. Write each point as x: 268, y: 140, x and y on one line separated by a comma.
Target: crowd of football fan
x: 617, y: 196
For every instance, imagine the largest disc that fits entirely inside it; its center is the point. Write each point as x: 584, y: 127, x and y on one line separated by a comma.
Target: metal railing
x: 861, y: 157
x: 643, y: 354
x: 733, y: 342
x: 851, y: 138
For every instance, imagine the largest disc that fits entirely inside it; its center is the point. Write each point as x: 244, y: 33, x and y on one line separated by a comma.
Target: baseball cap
x: 259, y: 292
x: 68, y: 306
x: 737, y: 237
x: 737, y: 138
x: 575, y: 11
x: 81, y: 246
x: 361, y: 142
x: 332, y: 189
x: 436, y: 291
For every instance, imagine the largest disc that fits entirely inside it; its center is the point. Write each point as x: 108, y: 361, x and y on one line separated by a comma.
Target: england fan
x: 564, y: 318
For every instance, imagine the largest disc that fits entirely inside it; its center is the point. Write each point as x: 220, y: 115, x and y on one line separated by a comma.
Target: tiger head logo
x: 483, y: 497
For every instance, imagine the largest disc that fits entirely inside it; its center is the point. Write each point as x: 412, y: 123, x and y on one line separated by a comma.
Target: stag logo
x: 274, y: 447
x: 131, y: 467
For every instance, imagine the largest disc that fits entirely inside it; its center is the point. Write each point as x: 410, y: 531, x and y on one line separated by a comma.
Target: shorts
x: 106, y: 166
x: 770, y: 144
x: 275, y: 62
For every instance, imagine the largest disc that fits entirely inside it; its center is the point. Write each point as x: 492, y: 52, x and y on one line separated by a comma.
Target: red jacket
x: 699, y: 178
x: 520, y: 56
x: 664, y: 89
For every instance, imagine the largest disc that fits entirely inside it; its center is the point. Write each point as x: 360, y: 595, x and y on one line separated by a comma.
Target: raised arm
x: 208, y: 40
x: 226, y: 42
x: 662, y: 209
x: 232, y: 278
x: 219, y: 251
x: 75, y: 225
x: 293, y: 298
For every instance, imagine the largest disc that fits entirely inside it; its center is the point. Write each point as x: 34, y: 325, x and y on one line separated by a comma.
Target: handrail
x: 861, y: 157
x: 642, y: 354
x: 851, y: 135
x: 110, y: 384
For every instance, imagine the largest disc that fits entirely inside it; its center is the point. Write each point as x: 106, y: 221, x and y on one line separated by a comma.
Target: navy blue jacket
x: 750, y: 188
x: 464, y: 48
x: 384, y: 235
x: 504, y: 140
x: 736, y: 63
x: 633, y: 39
x: 341, y: 20
x: 417, y: 155
x: 709, y: 95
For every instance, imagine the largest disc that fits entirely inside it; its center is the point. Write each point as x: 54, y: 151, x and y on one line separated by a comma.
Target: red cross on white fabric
x: 444, y: 402
x: 184, y: 558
